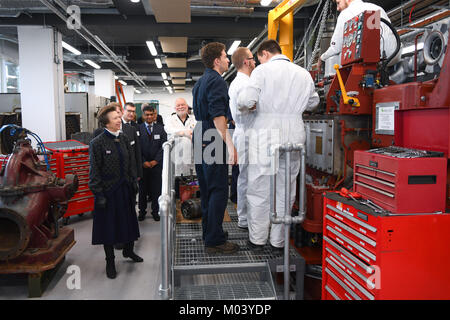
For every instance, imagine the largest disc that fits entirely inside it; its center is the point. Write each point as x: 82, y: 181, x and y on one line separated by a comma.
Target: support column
x: 104, y: 83
x: 42, y: 82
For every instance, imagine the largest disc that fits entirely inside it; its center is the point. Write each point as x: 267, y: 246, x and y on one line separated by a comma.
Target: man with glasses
x: 280, y: 91
x: 244, y: 62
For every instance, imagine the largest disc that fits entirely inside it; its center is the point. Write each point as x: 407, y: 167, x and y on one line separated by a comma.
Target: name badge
x: 157, y: 137
x: 138, y: 133
x: 132, y: 142
x: 108, y: 151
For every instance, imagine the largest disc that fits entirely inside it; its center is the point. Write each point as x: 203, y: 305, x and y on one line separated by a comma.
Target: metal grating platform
x: 191, y: 252
x: 238, y: 291
x: 194, y: 230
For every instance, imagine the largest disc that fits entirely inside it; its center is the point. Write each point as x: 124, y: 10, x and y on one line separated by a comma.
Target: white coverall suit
x: 243, y: 120
x: 282, y: 91
x: 183, y: 153
x: 388, y: 42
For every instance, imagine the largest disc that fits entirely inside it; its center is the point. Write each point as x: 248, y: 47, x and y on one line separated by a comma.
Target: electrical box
x: 361, y: 42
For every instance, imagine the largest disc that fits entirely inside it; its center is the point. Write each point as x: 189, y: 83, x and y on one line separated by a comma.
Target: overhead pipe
x: 287, y: 220
x: 105, y: 51
x: 221, y: 10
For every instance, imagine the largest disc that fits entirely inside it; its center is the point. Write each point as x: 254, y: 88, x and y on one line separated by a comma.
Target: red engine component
x: 370, y: 256
x: 402, y: 180
x: 314, y: 208
x: 32, y: 200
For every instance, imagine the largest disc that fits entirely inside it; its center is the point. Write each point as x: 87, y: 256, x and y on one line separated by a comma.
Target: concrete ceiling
x: 125, y: 27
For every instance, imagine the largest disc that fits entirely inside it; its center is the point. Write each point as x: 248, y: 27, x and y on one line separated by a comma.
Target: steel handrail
x: 167, y: 212
x: 287, y: 220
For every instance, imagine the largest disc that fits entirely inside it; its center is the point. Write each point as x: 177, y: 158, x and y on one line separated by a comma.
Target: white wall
x: 166, y: 100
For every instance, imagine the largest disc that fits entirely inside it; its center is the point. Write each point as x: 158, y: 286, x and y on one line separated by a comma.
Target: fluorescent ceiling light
x: 158, y: 63
x: 12, y: 77
x: 170, y: 89
x: 412, y: 48
x: 123, y: 82
x: 116, y: 77
x: 251, y: 43
x: 70, y: 48
x: 152, y: 48
x: 265, y: 3
x: 11, y: 87
x: 166, y: 83
x: 233, y: 47
x: 137, y: 91
x: 164, y: 75
x: 135, y: 1
x: 91, y: 63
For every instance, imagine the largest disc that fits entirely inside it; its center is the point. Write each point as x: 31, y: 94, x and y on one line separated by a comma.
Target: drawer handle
x: 342, y: 284
x: 376, y: 170
x: 348, y: 229
x: 349, y: 217
x: 349, y: 255
x: 335, y: 296
x: 375, y: 189
x: 353, y: 244
x: 351, y: 269
x: 352, y: 281
x: 375, y: 179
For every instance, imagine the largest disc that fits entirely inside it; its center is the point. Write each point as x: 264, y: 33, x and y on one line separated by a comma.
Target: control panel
x: 361, y: 42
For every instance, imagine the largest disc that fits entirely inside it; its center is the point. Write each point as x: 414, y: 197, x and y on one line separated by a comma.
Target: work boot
x: 129, y: 253
x: 226, y: 248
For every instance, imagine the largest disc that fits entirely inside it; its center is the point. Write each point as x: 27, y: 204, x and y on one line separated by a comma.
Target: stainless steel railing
x: 167, y: 212
x: 287, y: 219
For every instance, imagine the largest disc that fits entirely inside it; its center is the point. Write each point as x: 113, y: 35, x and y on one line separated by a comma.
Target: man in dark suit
x: 129, y: 114
x: 152, y: 138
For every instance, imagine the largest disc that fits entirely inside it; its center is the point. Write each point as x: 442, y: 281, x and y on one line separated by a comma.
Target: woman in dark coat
x: 113, y: 181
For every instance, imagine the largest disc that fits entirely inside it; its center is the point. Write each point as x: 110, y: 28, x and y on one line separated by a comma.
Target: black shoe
x: 141, y: 217
x: 253, y: 246
x: 156, y: 216
x: 276, y: 250
x: 133, y: 256
x: 243, y: 228
x: 110, y: 269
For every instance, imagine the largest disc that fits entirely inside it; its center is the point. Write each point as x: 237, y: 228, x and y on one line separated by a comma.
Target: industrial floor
x: 135, y: 281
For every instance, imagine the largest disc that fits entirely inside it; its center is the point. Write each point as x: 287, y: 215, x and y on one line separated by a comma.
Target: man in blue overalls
x: 211, y: 141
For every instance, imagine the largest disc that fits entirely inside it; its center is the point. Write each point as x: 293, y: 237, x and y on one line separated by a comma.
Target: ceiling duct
x: 176, y: 62
x: 174, y: 11
x: 213, y: 10
x: 173, y: 44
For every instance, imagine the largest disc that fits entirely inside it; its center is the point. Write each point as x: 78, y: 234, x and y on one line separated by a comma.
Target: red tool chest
x: 72, y: 157
x: 370, y: 256
x: 402, y: 180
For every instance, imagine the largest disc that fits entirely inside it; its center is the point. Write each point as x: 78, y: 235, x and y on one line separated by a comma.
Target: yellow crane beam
x: 282, y: 17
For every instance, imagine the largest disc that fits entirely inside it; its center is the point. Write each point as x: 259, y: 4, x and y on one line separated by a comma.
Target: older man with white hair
x: 181, y: 124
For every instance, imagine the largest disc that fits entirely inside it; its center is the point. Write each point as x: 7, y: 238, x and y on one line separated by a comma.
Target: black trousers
x: 150, y: 185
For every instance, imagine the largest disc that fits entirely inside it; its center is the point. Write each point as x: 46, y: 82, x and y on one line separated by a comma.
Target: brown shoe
x: 226, y: 248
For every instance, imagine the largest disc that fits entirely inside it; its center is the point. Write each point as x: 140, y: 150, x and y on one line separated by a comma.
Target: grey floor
x: 135, y: 281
